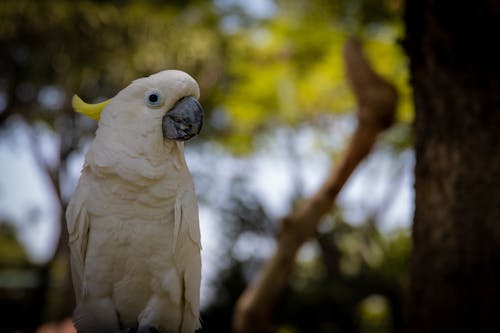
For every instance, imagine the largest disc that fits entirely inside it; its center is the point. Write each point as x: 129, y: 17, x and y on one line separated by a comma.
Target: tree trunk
x: 454, y: 63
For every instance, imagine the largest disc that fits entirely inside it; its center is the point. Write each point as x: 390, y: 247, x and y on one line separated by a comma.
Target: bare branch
x: 376, y: 99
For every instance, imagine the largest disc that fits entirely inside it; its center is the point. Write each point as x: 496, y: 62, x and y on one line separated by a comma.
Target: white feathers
x: 133, y: 219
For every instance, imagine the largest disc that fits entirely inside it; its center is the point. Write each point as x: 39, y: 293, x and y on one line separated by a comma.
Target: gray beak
x: 184, y: 120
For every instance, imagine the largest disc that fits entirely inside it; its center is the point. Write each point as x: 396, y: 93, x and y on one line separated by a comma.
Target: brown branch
x: 376, y: 100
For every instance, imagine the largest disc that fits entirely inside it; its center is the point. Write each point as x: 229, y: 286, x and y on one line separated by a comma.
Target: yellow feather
x: 93, y: 111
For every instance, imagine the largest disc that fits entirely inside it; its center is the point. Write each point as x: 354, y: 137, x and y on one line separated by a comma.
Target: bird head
x: 165, y: 102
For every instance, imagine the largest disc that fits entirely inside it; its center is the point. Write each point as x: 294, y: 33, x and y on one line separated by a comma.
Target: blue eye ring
x: 153, y: 98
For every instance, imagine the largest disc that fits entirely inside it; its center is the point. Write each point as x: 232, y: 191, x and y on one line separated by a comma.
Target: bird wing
x: 187, y: 257
x: 78, y: 223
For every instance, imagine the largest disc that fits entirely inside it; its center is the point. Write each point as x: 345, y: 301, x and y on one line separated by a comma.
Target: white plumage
x: 133, y: 219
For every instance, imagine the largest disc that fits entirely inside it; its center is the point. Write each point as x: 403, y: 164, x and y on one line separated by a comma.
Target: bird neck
x: 136, y: 161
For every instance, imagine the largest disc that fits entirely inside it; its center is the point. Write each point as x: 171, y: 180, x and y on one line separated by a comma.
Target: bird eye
x: 153, y: 98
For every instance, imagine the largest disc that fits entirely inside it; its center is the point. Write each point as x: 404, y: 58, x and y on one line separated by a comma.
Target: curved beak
x: 184, y: 120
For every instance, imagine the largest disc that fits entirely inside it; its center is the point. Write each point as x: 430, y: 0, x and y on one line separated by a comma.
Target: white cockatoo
x: 133, y: 226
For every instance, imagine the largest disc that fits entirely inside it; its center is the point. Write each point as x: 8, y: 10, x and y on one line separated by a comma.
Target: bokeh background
x: 278, y: 116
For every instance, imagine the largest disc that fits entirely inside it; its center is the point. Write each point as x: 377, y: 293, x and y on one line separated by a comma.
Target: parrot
x: 134, y: 235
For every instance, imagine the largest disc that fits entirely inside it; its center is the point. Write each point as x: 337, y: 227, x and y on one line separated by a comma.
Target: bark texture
x: 376, y: 101
x: 454, y: 62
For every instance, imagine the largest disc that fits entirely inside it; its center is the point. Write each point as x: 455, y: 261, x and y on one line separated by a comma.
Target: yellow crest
x: 93, y: 111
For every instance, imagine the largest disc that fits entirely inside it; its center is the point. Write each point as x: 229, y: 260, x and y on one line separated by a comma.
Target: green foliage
x: 282, y: 70
x: 285, y: 69
x: 20, y: 284
x: 12, y: 254
x: 355, y: 282
x: 96, y: 48
x: 289, y: 69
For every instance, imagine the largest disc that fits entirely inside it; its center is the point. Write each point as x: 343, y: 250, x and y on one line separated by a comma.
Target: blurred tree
x: 288, y: 69
x: 353, y: 279
x: 243, y: 214
x: 357, y: 285
x: 52, y: 49
x: 455, y: 75
x: 257, y: 75
x: 21, y: 288
x: 376, y: 100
